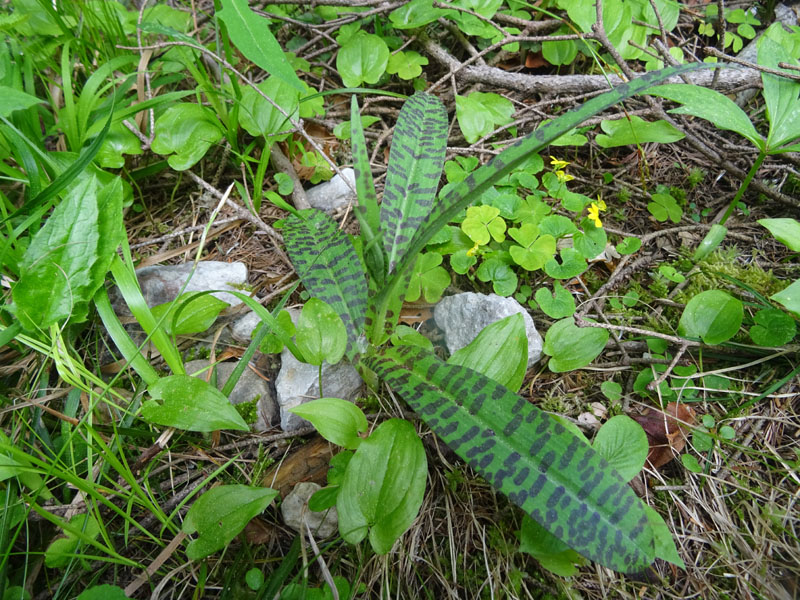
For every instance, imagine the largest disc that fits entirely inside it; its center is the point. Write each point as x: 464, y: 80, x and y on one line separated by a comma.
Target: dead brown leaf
x: 664, y: 431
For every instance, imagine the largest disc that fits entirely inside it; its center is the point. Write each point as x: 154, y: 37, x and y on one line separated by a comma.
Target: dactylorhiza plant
x: 541, y: 465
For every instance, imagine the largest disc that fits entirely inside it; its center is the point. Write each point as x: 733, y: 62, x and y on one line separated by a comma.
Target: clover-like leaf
x: 773, y: 328
x: 557, y: 226
x: 572, y: 264
x: 504, y: 280
x: 533, y: 250
x: 185, y: 132
x: 428, y: 278
x: 407, y: 65
x: 415, y: 14
x: 558, y: 305
x: 483, y: 223
x: 663, y: 207
x: 629, y: 245
x: 591, y: 241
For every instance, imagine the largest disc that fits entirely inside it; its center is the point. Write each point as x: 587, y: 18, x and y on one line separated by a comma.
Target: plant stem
x: 745, y: 184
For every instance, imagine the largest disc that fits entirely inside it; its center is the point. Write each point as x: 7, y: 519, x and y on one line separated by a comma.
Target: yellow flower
x: 563, y: 177
x: 594, y: 212
x: 472, y: 251
x: 558, y: 163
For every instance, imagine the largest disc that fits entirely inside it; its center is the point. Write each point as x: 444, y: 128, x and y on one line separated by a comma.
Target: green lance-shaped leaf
x: 327, y: 263
x: 542, y: 467
x: 415, y: 166
x: 476, y: 183
x: 367, y: 212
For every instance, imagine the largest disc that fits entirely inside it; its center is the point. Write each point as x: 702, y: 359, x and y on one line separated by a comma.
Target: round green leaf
x: 321, y: 334
x: 629, y: 245
x: 623, y: 443
x: 363, y: 58
x: 254, y: 578
x: 191, y: 404
x: 337, y: 420
x: 98, y: 592
x: 572, y: 264
x: 572, y: 347
x: 591, y: 241
x: 189, y: 313
x: 773, y: 328
x: 611, y: 390
x: 559, y: 305
x: 221, y: 513
x: 713, y: 316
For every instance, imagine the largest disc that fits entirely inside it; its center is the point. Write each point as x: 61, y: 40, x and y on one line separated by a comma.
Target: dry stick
x: 246, y: 215
x: 751, y: 65
x: 581, y: 322
x: 668, y: 371
x: 285, y: 165
x: 180, y: 232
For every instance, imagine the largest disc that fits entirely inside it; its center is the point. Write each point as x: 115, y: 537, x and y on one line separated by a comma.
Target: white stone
x: 162, y: 284
x: 462, y: 317
x: 335, y: 193
x: 298, y: 382
x: 295, y: 512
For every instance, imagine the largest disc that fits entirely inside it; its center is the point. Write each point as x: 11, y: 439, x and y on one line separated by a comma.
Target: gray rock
x: 161, y: 284
x: 242, y: 329
x: 333, y: 194
x: 249, y: 387
x: 298, y: 383
x: 463, y: 316
x: 295, y: 512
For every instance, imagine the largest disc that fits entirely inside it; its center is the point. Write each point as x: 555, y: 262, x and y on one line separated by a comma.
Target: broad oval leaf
x: 189, y: 313
x: 321, y: 335
x: 191, y: 404
x: 186, y: 131
x: 499, y: 351
x: 259, y: 116
x: 713, y: 316
x: 635, y: 130
x: 526, y: 454
x: 383, y: 486
x: 623, y: 443
x: 220, y: 514
x: 785, y: 230
x: 337, y: 420
x: 327, y: 263
x: 68, y: 258
x: 710, y: 105
x: 572, y: 347
x: 789, y: 298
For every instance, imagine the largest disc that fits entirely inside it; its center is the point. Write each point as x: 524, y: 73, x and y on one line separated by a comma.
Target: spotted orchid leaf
x: 415, y: 166
x: 327, y: 262
x: 525, y: 453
